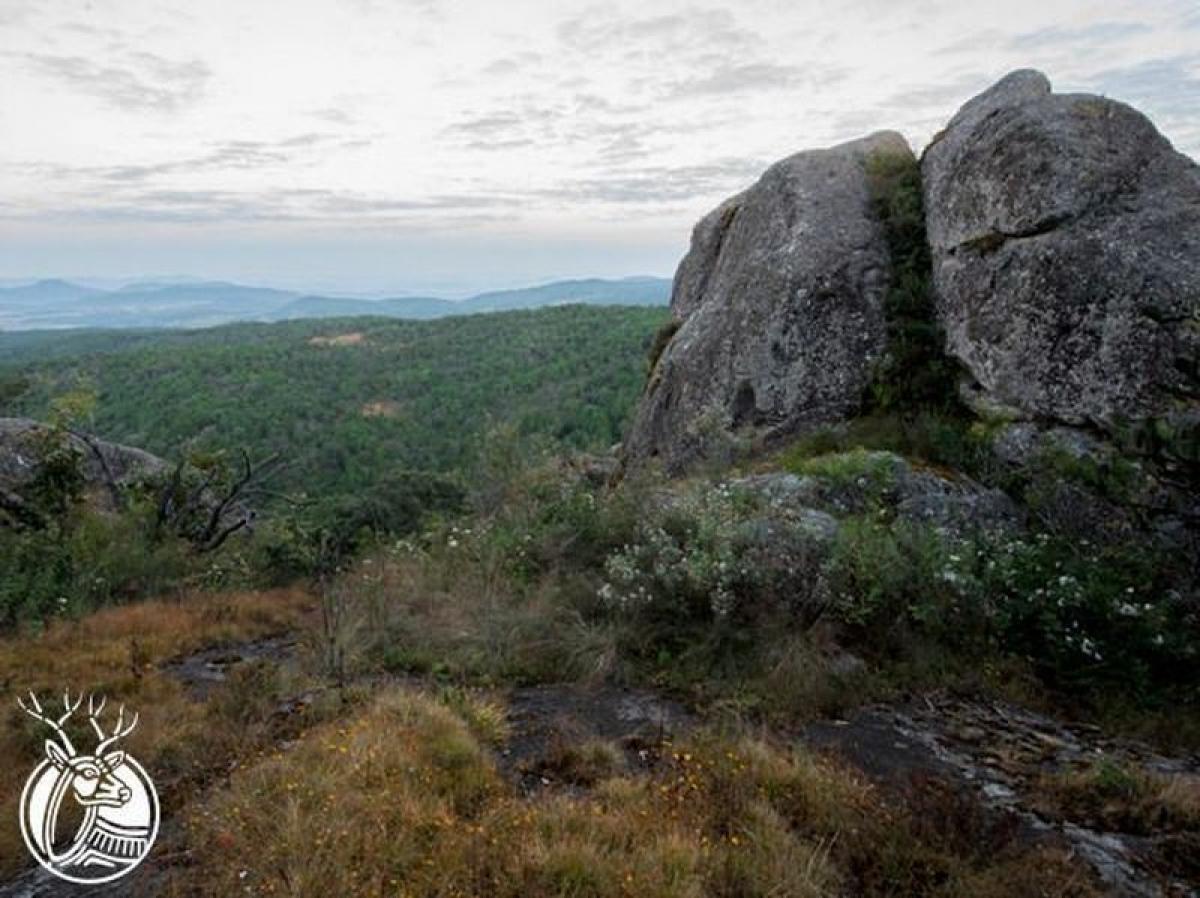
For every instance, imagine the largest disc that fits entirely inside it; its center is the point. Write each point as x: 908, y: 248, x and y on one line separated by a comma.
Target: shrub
x: 662, y: 338
x: 887, y: 579
x: 915, y: 372
x: 84, y: 560
x: 1092, y: 620
x: 710, y: 557
x: 1089, y: 617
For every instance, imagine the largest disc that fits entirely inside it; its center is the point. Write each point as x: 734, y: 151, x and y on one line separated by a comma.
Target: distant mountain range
x: 53, y: 304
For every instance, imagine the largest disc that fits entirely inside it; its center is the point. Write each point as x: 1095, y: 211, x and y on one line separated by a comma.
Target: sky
x: 446, y: 146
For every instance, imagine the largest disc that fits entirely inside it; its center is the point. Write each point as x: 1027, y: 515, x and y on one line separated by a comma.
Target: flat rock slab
x: 638, y: 721
x: 201, y: 671
x: 1000, y: 751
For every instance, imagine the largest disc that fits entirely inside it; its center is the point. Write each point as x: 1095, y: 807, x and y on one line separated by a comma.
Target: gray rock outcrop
x: 1065, y: 234
x: 954, y: 505
x: 21, y: 444
x: 780, y: 310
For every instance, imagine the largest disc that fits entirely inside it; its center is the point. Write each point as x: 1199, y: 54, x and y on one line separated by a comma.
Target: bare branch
x: 166, y: 499
x: 110, y: 481
x: 220, y: 538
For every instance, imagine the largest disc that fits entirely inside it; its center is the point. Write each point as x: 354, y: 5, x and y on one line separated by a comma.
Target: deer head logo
x: 119, y: 804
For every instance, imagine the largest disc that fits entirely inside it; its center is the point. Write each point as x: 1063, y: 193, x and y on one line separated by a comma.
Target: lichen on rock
x: 1065, y: 233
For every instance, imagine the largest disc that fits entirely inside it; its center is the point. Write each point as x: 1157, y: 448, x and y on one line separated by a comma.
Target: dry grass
x: 583, y: 762
x: 1119, y: 798
x: 404, y: 801
x: 486, y: 717
x: 118, y: 652
x: 455, y: 612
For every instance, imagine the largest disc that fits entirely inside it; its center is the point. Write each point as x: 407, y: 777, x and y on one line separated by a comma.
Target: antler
x: 120, y: 731
x: 37, y: 713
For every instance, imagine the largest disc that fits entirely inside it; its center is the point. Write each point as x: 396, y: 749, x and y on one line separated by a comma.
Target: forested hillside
x: 349, y: 400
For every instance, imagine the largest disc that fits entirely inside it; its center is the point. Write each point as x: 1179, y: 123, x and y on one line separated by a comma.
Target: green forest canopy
x: 347, y: 401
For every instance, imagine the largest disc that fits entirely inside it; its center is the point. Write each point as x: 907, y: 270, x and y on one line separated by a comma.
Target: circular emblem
x: 107, y: 797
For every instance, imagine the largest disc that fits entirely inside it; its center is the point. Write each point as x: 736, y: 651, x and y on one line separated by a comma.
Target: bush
x: 1091, y: 620
x: 915, y: 372
x: 888, y: 580
x: 86, y: 560
x: 710, y: 557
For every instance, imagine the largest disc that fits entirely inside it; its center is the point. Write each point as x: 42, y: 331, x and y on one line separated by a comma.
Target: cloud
x: 268, y: 205
x: 512, y: 65
x: 489, y: 125
x: 13, y: 12
x: 598, y: 28
x: 654, y: 185
x: 646, y: 189
x: 1169, y: 88
x: 941, y: 96
x: 1094, y: 35
x: 389, y: 7
x: 524, y: 118
x: 333, y: 115
x: 748, y: 77
x: 1171, y: 83
x: 854, y: 123
x: 356, y: 204
x: 515, y: 143
x: 233, y: 155
x: 973, y: 43
x: 146, y: 83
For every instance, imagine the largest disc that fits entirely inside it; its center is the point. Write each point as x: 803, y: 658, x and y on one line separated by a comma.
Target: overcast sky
x: 448, y: 145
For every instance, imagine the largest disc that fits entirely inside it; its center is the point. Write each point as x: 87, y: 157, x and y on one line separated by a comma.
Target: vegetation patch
x: 402, y: 800
x: 569, y: 375
x: 940, y: 439
x: 119, y: 652
x: 662, y: 338
x: 356, y: 338
x: 582, y: 763
x: 915, y: 372
x: 1115, y: 798
x: 870, y: 473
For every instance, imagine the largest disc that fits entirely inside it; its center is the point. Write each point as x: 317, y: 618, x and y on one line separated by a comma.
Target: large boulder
x: 779, y: 309
x: 1065, y: 234
x: 103, y: 465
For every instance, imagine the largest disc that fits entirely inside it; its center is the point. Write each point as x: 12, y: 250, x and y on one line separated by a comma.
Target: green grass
x: 870, y: 472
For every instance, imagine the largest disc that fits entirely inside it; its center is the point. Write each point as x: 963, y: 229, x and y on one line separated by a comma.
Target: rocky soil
x: 994, y: 752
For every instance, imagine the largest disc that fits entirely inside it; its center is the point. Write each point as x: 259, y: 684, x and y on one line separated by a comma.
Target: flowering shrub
x: 1086, y: 615
x: 712, y: 555
x: 1082, y: 616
